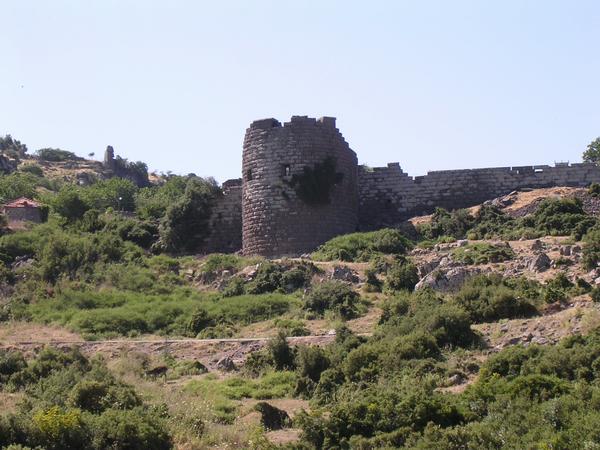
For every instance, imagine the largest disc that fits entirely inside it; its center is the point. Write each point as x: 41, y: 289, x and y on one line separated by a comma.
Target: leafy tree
x: 592, y: 153
x: 185, y: 224
x: 152, y: 202
x: 70, y: 204
x: 56, y: 155
x: 12, y: 146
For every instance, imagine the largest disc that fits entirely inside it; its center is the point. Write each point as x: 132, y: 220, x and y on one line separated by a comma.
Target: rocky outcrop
x: 539, y: 263
x: 446, y: 281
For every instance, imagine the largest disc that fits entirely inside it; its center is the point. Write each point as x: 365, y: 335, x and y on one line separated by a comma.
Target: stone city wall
x: 389, y: 196
x: 226, y: 220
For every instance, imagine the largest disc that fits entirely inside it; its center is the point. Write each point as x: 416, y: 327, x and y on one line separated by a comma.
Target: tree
x: 186, y: 222
x: 592, y: 153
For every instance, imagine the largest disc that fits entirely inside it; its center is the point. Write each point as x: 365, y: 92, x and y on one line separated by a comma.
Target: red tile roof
x: 23, y: 203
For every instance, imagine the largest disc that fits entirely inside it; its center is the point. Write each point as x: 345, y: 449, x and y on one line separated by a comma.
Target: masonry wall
x: 389, y: 196
x: 226, y: 220
x: 275, y: 221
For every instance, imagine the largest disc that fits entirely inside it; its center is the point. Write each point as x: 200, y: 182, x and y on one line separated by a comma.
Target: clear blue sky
x: 431, y: 84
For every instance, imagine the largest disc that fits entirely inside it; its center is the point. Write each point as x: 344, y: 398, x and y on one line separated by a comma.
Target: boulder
x: 343, y: 273
x: 226, y: 364
x: 451, y: 280
x: 537, y: 246
x: 539, y: 263
x: 565, y: 250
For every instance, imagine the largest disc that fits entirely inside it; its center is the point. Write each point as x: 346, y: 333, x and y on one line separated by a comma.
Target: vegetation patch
x: 482, y: 253
x: 314, y: 184
x: 363, y: 246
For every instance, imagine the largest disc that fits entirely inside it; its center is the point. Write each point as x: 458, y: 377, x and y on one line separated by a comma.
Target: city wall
x: 387, y: 195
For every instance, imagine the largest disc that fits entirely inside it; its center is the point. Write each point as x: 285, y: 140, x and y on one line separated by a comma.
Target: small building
x: 24, y: 210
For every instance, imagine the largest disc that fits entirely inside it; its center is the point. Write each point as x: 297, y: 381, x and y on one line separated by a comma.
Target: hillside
x: 114, y: 331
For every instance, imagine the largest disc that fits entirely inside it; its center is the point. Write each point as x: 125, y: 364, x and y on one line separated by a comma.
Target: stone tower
x: 277, y: 218
x: 109, y: 158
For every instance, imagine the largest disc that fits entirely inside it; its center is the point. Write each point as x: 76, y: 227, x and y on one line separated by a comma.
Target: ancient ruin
x: 301, y: 185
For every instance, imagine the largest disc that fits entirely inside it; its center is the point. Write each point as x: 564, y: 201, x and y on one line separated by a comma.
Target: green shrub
x: 292, y: 327
x: 363, y: 246
x: 560, y: 217
x: 490, y: 298
x: 402, y: 276
x: 591, y: 248
x: 281, y: 353
x: 482, y: 253
x: 185, y: 224
x: 311, y: 362
x: 56, y: 155
x: 333, y: 296
x: 130, y: 429
x: 444, y: 223
x: 33, y: 169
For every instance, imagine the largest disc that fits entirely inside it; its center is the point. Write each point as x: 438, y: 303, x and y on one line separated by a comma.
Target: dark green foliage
x: 402, y: 276
x: 490, y: 298
x: 137, y: 171
x: 311, y: 362
x: 444, y: 223
x: 592, y: 152
x: 70, y: 204
x: 314, y: 185
x: 33, y: 169
x: 591, y: 248
x: 292, y: 327
x: 56, y: 155
x: 490, y: 222
x: 152, y: 202
x: 560, y: 217
x: 200, y: 320
x: 363, y: 246
x: 272, y: 418
x: 12, y: 147
x: 185, y: 224
x: 281, y: 353
x: 594, y: 190
x: 333, y: 296
x: 20, y: 184
x: 130, y: 429
x: 482, y: 253
x: 73, y: 403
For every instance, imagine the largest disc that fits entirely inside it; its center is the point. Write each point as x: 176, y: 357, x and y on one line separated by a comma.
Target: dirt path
x: 207, y: 351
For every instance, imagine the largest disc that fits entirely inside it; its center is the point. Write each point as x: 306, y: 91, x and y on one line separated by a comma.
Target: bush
x: 333, y: 296
x: 33, y: 169
x: 482, y: 253
x: 591, y: 248
x: 311, y: 362
x: 56, y: 155
x: 186, y: 222
x: 281, y: 353
x: 363, y: 246
x: 490, y: 298
x: 560, y: 217
x: 402, y: 276
x: 130, y: 429
x: 443, y: 223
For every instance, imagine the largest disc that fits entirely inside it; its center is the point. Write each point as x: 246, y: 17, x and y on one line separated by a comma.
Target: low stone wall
x: 388, y: 196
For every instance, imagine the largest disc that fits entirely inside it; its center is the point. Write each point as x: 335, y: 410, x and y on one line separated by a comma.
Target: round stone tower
x: 279, y: 166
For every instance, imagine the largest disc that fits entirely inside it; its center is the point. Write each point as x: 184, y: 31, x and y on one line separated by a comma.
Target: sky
x: 432, y: 85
